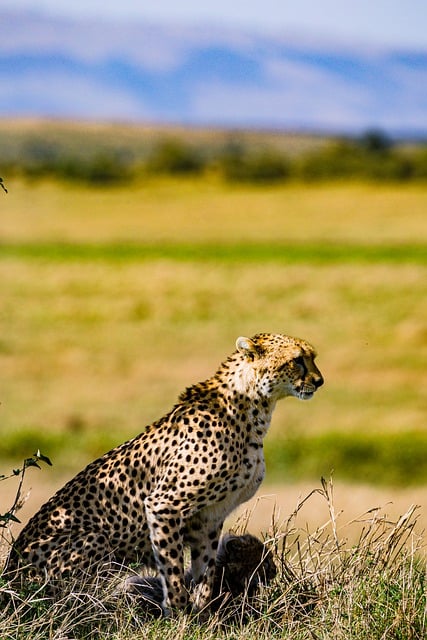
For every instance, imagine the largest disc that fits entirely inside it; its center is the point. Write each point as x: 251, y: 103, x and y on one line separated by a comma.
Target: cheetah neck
x: 241, y: 390
x: 242, y: 378
x: 244, y: 387
x: 244, y: 381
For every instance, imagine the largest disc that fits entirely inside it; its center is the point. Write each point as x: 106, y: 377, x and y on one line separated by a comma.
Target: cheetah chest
x: 253, y: 472
x: 250, y: 477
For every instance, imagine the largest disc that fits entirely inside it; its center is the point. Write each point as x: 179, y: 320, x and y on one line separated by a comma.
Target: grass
x: 206, y: 211
x: 325, y: 588
x: 114, y: 300
x: 394, y: 460
x: 103, y: 348
x: 223, y: 253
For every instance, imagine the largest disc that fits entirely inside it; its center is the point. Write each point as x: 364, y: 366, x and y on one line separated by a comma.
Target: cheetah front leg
x: 203, y: 538
x: 166, y: 527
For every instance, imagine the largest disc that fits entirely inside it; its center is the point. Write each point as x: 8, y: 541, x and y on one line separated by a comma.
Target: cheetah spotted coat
x: 175, y: 483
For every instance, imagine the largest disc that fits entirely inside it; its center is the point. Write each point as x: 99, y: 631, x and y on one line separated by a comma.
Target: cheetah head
x: 279, y: 366
x: 244, y: 561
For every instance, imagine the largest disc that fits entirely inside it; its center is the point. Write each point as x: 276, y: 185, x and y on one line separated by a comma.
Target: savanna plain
x: 115, y: 299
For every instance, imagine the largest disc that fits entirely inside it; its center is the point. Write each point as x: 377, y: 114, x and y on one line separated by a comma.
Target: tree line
x: 372, y: 156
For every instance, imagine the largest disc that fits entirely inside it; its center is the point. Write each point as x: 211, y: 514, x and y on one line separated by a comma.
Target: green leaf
x: 43, y: 458
x: 7, y: 517
x: 31, y: 462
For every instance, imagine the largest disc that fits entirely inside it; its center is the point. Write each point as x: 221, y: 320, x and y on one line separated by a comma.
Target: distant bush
x: 264, y: 166
x: 419, y: 164
x: 174, y: 156
x: 336, y: 161
x: 375, y: 141
x: 372, y: 157
x: 104, y: 168
x: 39, y: 158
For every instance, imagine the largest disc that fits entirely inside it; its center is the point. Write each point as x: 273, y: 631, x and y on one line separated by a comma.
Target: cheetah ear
x: 232, y: 548
x: 247, y: 347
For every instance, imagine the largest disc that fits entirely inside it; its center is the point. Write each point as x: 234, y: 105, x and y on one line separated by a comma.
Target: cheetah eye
x: 300, y: 361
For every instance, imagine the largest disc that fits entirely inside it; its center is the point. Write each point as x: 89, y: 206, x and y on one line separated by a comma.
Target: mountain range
x: 206, y: 76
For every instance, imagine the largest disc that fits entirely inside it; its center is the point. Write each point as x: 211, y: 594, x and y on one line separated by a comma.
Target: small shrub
x: 418, y: 161
x: 39, y: 157
x: 10, y: 515
x: 174, y: 156
x: 375, y: 141
x: 239, y: 165
x: 102, y: 169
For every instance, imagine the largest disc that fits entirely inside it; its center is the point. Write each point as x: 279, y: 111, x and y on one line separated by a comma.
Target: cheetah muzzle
x: 174, y: 484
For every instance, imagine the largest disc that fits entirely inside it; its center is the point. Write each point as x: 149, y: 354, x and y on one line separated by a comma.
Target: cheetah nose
x: 318, y: 381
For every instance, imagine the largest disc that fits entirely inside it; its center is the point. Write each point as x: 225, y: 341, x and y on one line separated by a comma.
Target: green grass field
x: 114, y: 300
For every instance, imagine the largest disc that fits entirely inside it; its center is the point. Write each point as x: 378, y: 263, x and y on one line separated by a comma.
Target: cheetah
x: 175, y: 483
x: 243, y: 563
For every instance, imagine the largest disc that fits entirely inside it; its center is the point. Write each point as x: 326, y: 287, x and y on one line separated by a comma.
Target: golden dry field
x: 113, y: 300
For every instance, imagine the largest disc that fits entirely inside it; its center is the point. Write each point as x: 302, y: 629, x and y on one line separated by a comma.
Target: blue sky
x: 313, y: 64
x: 397, y: 23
